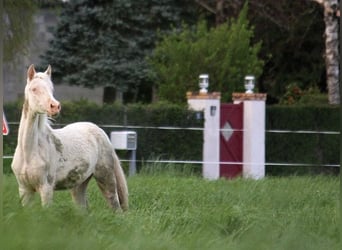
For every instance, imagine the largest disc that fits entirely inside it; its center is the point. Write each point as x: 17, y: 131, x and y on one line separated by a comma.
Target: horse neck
x: 32, y: 126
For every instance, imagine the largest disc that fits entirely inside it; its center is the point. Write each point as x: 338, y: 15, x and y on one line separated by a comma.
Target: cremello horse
x: 49, y: 159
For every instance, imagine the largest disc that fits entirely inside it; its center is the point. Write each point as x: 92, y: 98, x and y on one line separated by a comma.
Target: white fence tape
x: 239, y: 163
x: 201, y: 129
x: 222, y: 162
x: 240, y: 130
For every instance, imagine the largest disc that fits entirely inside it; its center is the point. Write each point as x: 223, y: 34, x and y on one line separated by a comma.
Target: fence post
x: 254, y: 133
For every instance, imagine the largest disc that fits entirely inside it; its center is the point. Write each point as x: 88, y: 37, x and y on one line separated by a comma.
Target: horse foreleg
x: 26, y: 196
x: 46, y: 195
x: 79, y: 194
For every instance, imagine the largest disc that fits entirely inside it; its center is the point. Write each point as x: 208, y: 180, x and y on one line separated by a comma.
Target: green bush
x: 295, y: 95
x: 224, y: 52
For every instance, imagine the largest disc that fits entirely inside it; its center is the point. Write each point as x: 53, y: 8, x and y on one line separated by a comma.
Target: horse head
x: 39, y: 92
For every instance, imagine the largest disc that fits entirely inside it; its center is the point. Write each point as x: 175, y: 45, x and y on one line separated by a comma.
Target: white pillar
x: 254, y: 134
x: 210, y: 104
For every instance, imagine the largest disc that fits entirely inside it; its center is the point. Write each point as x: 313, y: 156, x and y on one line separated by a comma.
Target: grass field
x: 177, y: 212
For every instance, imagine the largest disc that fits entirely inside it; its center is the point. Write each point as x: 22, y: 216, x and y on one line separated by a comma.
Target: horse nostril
x: 55, y: 106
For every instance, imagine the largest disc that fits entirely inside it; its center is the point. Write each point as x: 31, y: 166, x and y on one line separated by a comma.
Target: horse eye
x: 34, y: 89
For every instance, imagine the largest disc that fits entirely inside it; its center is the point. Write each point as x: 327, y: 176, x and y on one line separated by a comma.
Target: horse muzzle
x: 55, y: 108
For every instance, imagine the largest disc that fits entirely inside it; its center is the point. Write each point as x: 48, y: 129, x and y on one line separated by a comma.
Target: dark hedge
x: 183, y: 144
x: 308, y: 148
x: 180, y: 144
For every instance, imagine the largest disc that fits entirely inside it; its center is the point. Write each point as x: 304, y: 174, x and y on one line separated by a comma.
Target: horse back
x: 82, y: 135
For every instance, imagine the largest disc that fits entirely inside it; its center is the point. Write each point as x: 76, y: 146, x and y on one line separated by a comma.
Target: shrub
x: 292, y: 95
x: 224, y: 52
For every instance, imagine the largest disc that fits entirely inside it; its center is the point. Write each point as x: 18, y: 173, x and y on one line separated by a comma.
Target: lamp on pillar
x: 203, y: 83
x: 249, y: 84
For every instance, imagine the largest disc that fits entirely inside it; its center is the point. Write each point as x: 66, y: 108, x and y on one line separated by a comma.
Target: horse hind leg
x: 106, y: 181
x: 79, y: 194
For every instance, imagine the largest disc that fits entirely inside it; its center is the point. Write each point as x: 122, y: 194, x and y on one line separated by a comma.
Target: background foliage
x: 224, y: 52
x: 104, y: 43
x: 292, y: 33
x: 93, y: 39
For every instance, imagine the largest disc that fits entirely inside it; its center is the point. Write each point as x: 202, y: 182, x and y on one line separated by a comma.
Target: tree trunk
x: 331, y: 54
x: 111, y: 94
x: 220, y: 16
x: 331, y: 48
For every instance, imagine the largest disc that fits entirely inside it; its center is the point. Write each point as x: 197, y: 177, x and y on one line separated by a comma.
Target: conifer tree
x: 105, y: 43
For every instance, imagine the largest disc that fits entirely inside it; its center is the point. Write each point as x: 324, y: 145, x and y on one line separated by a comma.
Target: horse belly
x: 81, y: 152
x: 69, y: 176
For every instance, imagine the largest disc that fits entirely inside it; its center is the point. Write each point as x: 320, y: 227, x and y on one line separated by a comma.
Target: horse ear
x: 48, y: 71
x: 31, y: 72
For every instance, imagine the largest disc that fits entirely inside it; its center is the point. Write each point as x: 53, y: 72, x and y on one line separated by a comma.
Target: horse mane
x: 50, y: 120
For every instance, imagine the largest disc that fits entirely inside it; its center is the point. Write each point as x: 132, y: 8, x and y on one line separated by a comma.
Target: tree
x: 105, y: 43
x: 224, y: 52
x: 291, y: 32
x: 297, y: 23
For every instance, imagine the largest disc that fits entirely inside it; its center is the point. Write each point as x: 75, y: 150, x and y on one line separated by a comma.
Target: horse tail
x: 121, y: 183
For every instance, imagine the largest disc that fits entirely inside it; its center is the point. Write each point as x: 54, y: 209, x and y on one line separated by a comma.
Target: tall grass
x: 171, y: 211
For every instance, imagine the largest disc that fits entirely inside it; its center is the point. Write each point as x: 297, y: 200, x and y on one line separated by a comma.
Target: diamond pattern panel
x: 227, y: 131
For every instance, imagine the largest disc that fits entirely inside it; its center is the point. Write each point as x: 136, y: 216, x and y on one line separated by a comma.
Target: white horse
x: 49, y: 159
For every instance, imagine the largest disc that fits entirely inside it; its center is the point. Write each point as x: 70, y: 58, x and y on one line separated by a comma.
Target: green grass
x: 170, y: 211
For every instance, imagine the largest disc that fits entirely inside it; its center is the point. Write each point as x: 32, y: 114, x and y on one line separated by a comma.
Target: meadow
x: 170, y: 210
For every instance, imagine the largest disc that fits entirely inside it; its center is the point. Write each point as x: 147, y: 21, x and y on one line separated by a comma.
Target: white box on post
x: 124, y: 140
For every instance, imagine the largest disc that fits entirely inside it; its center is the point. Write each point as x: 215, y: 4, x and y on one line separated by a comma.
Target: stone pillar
x: 254, y: 133
x: 210, y: 104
